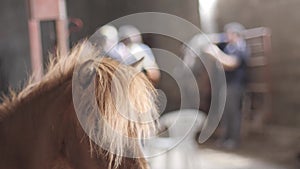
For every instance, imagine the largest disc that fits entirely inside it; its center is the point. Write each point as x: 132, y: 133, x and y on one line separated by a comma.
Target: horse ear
x: 137, y: 63
x: 86, y: 73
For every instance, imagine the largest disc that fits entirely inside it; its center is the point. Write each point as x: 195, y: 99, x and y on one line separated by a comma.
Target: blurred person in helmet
x: 107, y: 39
x: 132, y: 38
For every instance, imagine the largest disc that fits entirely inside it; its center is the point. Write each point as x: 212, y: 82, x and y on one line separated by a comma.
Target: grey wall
x: 14, y: 47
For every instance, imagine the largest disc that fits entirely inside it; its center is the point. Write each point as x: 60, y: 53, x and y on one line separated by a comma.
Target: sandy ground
x: 276, y: 148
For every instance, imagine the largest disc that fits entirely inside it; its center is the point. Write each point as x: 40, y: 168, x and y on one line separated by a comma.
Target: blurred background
x: 272, y: 141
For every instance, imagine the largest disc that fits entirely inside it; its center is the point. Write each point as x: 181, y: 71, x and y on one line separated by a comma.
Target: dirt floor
x: 277, y: 147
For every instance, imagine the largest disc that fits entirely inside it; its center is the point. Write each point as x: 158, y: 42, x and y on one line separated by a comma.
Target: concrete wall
x: 14, y: 47
x: 282, y: 16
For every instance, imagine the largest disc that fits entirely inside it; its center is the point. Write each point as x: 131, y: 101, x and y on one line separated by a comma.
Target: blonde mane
x: 114, y: 85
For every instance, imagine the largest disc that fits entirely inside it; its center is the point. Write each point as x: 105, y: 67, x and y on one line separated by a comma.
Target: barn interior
x: 270, y: 129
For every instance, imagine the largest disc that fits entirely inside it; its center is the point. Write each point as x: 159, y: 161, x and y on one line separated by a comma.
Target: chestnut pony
x: 40, y: 129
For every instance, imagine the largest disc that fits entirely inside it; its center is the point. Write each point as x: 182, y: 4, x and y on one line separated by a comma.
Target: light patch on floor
x: 207, y: 159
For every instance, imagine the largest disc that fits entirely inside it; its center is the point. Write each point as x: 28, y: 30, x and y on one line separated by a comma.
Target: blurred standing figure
x: 132, y: 38
x: 233, y: 58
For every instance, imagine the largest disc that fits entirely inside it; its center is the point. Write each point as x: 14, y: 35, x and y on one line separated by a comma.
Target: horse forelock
x: 124, y: 97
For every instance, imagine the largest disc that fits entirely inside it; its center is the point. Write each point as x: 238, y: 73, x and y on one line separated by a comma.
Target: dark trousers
x: 232, y: 116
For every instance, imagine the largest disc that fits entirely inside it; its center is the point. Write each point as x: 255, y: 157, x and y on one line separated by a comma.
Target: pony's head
x: 115, y: 104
